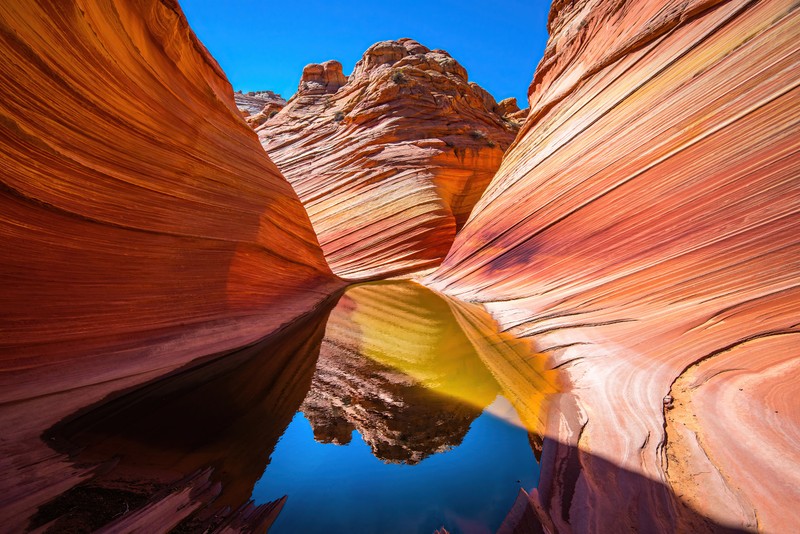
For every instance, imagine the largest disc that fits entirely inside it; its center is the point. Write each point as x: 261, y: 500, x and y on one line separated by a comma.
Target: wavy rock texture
x: 642, y: 230
x: 389, y: 161
x: 142, y: 223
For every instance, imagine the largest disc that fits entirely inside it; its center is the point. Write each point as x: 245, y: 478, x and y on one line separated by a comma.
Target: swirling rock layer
x: 389, y: 161
x: 142, y: 223
x: 643, y: 231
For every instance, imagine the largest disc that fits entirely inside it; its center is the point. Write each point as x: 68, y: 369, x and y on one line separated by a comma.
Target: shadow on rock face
x: 581, y: 492
x: 188, y: 449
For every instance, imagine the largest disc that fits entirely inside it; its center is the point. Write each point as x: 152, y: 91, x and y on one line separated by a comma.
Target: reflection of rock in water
x: 401, y: 420
x: 396, y: 365
x: 186, y: 451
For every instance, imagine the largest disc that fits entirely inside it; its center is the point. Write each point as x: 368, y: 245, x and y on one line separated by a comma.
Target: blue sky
x: 265, y: 45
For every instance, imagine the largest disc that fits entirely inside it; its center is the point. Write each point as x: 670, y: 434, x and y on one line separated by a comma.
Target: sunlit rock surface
x: 142, y: 223
x: 643, y: 231
x: 389, y: 161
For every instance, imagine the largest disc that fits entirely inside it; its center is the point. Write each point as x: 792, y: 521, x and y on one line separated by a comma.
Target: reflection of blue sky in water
x: 344, y: 488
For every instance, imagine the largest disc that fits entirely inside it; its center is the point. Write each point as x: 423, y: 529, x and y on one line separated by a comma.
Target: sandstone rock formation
x: 255, y: 101
x: 510, y: 111
x: 389, y: 161
x: 258, y: 107
x: 142, y: 224
x: 642, y: 230
x: 507, y: 107
x: 322, y: 79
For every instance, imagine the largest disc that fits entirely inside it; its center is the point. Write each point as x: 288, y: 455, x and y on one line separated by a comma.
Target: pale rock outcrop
x: 389, y: 161
x: 258, y: 107
x: 642, y: 230
x: 269, y: 111
x: 255, y: 101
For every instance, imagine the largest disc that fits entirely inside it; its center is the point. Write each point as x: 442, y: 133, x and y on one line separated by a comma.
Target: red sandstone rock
x: 322, y: 79
x: 142, y: 224
x: 389, y: 161
x: 210, y: 428
x: 507, y: 106
x: 510, y: 111
x: 643, y: 230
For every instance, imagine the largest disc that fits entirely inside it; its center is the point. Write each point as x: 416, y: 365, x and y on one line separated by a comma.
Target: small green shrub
x: 399, y: 77
x: 338, y: 116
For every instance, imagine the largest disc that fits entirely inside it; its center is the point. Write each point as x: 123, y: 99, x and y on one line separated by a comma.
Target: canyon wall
x: 390, y: 160
x: 643, y: 231
x: 141, y: 221
x: 142, y: 225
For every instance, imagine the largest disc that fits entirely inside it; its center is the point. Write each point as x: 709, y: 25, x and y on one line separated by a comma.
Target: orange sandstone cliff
x: 390, y: 160
x: 142, y: 224
x: 643, y: 231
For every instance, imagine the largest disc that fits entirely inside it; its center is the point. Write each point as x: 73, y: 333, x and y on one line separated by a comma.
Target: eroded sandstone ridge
x: 139, y: 215
x: 390, y: 160
x: 643, y: 230
x: 141, y: 222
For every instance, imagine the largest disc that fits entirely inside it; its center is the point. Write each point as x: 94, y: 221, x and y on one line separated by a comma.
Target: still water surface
x: 405, y: 428
x: 468, y: 488
x: 399, y: 410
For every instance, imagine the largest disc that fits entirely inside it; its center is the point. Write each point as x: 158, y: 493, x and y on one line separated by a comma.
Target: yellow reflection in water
x: 450, y: 347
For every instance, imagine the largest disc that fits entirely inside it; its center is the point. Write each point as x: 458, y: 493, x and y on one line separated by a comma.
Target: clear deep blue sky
x: 265, y: 45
